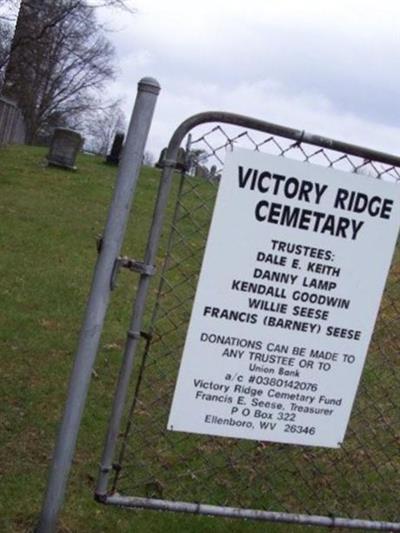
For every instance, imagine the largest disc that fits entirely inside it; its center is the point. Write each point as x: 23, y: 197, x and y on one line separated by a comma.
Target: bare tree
x: 57, y: 78
x: 148, y: 159
x: 102, y: 126
x: 5, y: 44
x: 7, y: 10
x: 58, y: 61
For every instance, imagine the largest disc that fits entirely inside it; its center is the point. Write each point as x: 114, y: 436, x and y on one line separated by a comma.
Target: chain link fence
x: 361, y: 480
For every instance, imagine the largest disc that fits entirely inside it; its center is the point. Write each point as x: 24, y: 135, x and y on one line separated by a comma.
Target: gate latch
x: 130, y: 264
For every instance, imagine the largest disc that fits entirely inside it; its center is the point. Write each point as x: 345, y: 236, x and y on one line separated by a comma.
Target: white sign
x: 289, y: 290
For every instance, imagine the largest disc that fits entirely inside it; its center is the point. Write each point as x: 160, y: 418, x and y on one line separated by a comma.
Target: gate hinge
x: 130, y: 264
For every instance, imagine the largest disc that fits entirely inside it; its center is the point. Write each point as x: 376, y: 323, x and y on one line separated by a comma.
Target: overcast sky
x: 329, y: 67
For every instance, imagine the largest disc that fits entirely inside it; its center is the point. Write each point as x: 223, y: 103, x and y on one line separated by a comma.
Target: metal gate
x: 146, y: 466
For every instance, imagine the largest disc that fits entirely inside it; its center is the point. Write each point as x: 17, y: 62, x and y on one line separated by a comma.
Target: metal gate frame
x: 134, y: 333
x: 106, y: 267
x: 98, y: 300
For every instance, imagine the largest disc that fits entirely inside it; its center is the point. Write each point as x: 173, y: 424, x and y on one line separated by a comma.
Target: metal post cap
x: 150, y: 85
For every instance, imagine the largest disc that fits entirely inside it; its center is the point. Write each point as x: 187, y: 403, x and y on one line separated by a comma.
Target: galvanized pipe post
x: 89, y: 339
x: 135, y: 326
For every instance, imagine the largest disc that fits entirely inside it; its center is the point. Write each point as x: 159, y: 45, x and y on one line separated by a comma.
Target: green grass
x: 50, y: 219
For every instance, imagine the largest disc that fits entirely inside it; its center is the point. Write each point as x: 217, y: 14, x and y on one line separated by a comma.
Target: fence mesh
x: 359, y: 480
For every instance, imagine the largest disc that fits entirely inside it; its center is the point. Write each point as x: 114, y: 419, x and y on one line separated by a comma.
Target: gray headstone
x: 116, y: 149
x: 201, y: 172
x: 213, y: 172
x: 64, y: 148
x: 161, y: 159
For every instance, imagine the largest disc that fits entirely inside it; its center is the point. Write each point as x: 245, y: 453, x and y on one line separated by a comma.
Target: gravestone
x: 161, y: 159
x: 213, y: 174
x: 64, y: 148
x: 116, y: 149
x: 201, y: 171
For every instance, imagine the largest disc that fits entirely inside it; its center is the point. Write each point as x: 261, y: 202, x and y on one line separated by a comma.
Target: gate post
x: 97, y: 304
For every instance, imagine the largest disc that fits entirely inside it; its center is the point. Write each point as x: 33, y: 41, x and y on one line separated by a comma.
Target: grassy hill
x: 50, y: 220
